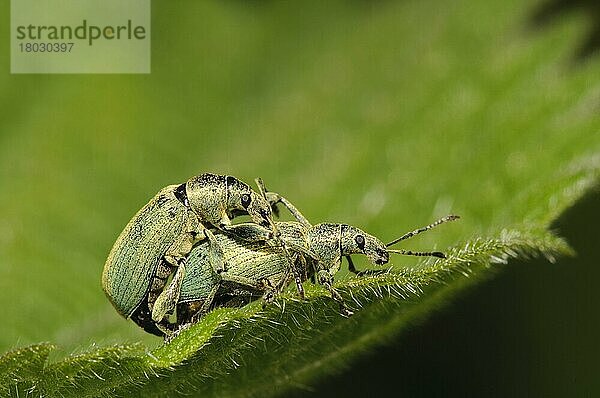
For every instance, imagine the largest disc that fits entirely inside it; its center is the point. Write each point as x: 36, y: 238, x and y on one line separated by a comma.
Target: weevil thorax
x: 323, y: 240
x: 241, y: 197
x: 330, y: 242
x: 206, y: 195
x: 356, y: 241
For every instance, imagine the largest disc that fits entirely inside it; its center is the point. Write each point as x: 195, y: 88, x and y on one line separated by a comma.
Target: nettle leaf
x: 20, y: 369
x: 96, y: 373
x: 385, y: 117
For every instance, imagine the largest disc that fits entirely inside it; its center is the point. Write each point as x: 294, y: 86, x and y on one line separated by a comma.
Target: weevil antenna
x: 419, y: 254
x: 423, y: 229
x: 261, y: 187
x: 262, y: 190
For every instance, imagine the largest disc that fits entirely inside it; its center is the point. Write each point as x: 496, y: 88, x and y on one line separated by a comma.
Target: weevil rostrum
x: 155, y: 242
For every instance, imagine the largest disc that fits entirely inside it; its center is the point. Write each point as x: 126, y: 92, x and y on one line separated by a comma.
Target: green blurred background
x: 383, y: 114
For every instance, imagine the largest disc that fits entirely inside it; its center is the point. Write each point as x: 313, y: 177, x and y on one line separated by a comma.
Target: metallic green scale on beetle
x: 147, y: 236
x: 249, y: 265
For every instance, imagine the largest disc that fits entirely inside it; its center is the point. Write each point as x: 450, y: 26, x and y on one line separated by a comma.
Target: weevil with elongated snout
x: 262, y: 270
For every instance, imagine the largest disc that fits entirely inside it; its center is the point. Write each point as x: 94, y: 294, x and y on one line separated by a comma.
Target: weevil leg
x: 162, y: 273
x: 216, y: 255
x: 207, y: 302
x: 248, y: 231
x: 351, y: 267
x: 356, y: 272
x: 183, y: 244
x: 273, y: 198
x: 167, y: 300
x: 275, y: 209
x: 296, y: 271
x: 176, y: 331
x: 164, y: 302
x: 263, y: 192
x: 270, y: 292
x: 197, y: 232
x: 186, y: 310
x: 168, y: 330
x: 325, y: 278
x: 179, y: 249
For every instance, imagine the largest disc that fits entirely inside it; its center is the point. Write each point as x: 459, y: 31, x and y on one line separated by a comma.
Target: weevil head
x: 356, y: 241
x: 242, y: 197
x: 260, y: 211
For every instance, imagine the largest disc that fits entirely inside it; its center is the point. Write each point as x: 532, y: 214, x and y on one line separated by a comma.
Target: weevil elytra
x: 158, y: 238
x: 262, y: 270
x: 255, y: 270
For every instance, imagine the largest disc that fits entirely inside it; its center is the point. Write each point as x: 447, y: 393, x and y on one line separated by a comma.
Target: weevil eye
x: 360, y: 241
x: 245, y: 200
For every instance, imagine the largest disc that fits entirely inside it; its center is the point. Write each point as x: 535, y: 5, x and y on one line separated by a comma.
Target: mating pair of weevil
x: 181, y: 253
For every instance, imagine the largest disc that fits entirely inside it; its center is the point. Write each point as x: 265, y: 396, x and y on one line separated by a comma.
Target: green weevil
x: 261, y: 270
x: 158, y: 238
